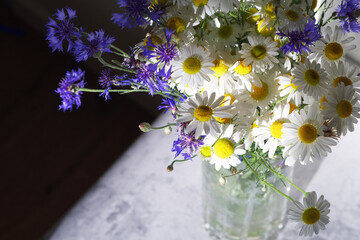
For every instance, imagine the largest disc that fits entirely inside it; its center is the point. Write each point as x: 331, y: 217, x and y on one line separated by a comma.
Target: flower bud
x: 222, y: 181
x: 233, y: 170
x: 167, y: 130
x: 170, y: 168
x: 145, y: 127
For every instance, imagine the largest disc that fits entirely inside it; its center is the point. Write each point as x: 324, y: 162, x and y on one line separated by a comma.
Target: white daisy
x: 266, y: 11
x: 227, y: 5
x: 225, y: 34
x: 221, y: 81
x: 200, y: 112
x: 264, y: 95
x: 270, y: 131
x: 304, y: 138
x: 333, y: 47
x: 260, y: 53
x: 241, y: 110
x: 249, y: 136
x: 226, y: 148
x: 311, y: 79
x: 291, y: 18
x: 191, y: 68
x: 204, y: 7
x: 289, y: 89
x: 343, y: 108
x: 312, y: 215
x: 247, y: 78
x: 346, y: 74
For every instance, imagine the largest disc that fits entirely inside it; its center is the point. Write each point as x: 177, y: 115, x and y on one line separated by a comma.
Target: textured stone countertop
x: 138, y: 199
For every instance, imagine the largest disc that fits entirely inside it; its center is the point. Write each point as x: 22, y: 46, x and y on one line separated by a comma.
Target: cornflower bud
x: 145, y: 127
x: 167, y: 130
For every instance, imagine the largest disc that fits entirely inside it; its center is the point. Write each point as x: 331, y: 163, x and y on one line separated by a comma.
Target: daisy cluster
x: 239, y: 77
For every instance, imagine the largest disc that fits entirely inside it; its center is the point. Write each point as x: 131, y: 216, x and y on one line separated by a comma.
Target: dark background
x: 49, y: 158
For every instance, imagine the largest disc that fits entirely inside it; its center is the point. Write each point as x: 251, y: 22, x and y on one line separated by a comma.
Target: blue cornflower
x: 186, y: 144
x: 106, y: 81
x: 168, y: 103
x: 164, y: 53
x: 301, y: 40
x: 348, y: 12
x: 62, y: 29
x: 135, y: 13
x: 147, y: 75
x: 96, y: 43
x: 69, y: 89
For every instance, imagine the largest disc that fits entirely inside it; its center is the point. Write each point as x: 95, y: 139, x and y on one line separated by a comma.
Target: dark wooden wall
x: 48, y: 159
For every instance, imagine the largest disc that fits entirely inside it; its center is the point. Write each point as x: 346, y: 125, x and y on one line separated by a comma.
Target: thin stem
x: 266, y: 182
x: 124, y: 54
x: 167, y: 125
x: 285, y: 178
x: 113, y: 66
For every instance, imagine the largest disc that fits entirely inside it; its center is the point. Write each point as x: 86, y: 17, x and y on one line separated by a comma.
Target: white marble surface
x: 138, y: 199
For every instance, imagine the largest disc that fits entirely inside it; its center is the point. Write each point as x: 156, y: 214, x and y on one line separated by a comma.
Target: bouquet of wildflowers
x: 244, y: 80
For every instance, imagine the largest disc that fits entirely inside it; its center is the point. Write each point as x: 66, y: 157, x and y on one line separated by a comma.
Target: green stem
x: 283, y: 177
x: 167, y: 125
x: 266, y: 182
x: 124, y: 54
x: 113, y: 66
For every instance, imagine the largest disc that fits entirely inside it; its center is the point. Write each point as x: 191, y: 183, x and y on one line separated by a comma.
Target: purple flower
x: 96, y: 43
x: 69, y: 89
x: 348, y: 12
x: 135, y: 13
x: 106, y: 81
x: 168, y: 103
x: 148, y: 76
x: 300, y: 40
x: 164, y: 53
x: 62, y: 29
x: 186, y: 144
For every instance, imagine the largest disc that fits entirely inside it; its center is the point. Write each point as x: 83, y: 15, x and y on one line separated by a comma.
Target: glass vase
x: 242, y: 208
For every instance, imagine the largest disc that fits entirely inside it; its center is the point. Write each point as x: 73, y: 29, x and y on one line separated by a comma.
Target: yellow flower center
x: 200, y: 3
x: 154, y: 39
x: 258, y: 52
x: 260, y: 93
x: 232, y: 99
x: 205, y: 151
x: 242, y: 69
x: 270, y: 10
x: 254, y: 125
x: 224, y: 148
x: 252, y: 19
x: 307, y: 133
x: 293, y: 86
x: 275, y: 129
x: 219, y: 68
x: 292, y: 15
x: 344, y: 109
x: 176, y: 24
x: 192, y: 65
x: 159, y: 2
x: 311, y: 216
x: 263, y: 29
x: 333, y: 51
x: 203, y: 113
x: 292, y: 107
x: 323, y: 99
x: 346, y: 81
x: 312, y: 77
x: 313, y: 5
x: 225, y: 32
